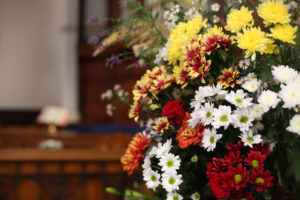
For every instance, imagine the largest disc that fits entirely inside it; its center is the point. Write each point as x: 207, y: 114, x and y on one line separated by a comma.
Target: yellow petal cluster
x: 285, y: 33
x: 274, y: 12
x: 239, y: 19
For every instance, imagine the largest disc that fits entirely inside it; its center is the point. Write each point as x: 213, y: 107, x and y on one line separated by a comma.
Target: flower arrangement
x: 220, y: 100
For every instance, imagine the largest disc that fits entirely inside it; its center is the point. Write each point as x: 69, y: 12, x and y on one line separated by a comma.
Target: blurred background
x: 56, y: 140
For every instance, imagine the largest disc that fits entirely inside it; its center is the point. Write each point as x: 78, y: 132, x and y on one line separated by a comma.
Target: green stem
x: 156, y: 167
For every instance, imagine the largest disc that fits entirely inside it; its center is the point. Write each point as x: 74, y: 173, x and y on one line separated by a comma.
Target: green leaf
x: 265, y: 74
x: 297, y: 39
x: 293, y: 156
x: 266, y: 195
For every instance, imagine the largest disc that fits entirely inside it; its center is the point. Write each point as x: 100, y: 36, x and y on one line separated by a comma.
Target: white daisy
x: 174, y: 18
x: 195, y: 196
x: 215, y: 7
x: 174, y: 196
x: 256, y: 111
x: 171, y: 181
x: 294, y: 125
x: 268, y: 99
x: 290, y: 94
x: 210, y: 139
x: 257, y: 127
x: 195, y: 120
x: 168, y: 15
x: 108, y: 94
x: 283, y: 73
x: 171, y: 25
x: 244, y: 64
x: 205, y: 113
x: 269, y: 143
x: 194, y: 158
x: 163, y: 149
x: 175, y: 9
x: 222, y: 117
x: 251, y: 76
x: 261, y: 86
x: 193, y: 12
x: 169, y: 162
x: 238, y: 99
x: 218, y: 90
x: 292, y: 5
x: 152, y: 179
x: 199, y: 98
x: 147, y: 163
x: 216, y: 19
x: 251, y: 85
x: 249, y: 139
x: 243, y: 119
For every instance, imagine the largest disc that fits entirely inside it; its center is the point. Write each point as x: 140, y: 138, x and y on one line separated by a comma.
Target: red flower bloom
x: 213, y: 167
x: 220, y: 185
x: 262, y: 179
x: 235, y: 147
x: 239, y: 176
x: 233, y: 159
x: 244, y: 194
x: 187, y: 136
x: 174, y: 111
x: 255, y: 159
x: 134, y: 152
x: 264, y: 149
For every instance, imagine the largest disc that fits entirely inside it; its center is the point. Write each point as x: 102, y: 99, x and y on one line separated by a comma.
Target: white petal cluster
x: 152, y: 179
x: 249, y: 139
x: 169, y: 162
x: 284, y: 74
x: 268, y: 99
x: 290, y: 94
x: 294, y: 125
x: 222, y: 117
x: 243, y: 119
x: 171, y: 181
x: 251, y: 85
x: 210, y: 139
x: 238, y: 99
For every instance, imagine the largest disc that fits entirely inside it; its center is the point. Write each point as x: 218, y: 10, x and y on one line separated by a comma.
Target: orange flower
x: 161, y: 125
x: 134, y: 152
x: 228, y: 78
x: 187, y: 136
x: 135, y: 110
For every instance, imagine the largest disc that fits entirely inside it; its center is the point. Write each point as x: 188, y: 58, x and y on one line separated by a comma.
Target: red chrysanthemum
x: 262, y: 179
x: 187, y: 136
x: 244, y: 194
x: 235, y: 147
x: 239, y: 176
x: 130, y: 160
x: 213, y: 167
x: 255, y: 159
x: 264, y: 149
x: 232, y: 159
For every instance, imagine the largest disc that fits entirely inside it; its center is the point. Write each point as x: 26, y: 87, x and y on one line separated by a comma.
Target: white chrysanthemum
x: 222, y: 117
x: 218, y: 90
x: 268, y: 142
x: 210, y: 139
x: 283, y: 73
x: 169, y: 162
x: 251, y: 85
x: 152, y: 179
x: 292, y: 5
x: 147, y: 164
x: 171, y: 181
x: 175, y: 9
x: 249, y: 139
x: 163, y: 149
x: 256, y: 111
x: 238, y: 99
x: 297, y: 79
x: 257, y: 127
x: 216, y: 19
x: 290, y: 94
x: 242, y: 119
x: 268, y: 99
x: 244, y: 64
x: 215, y: 7
x: 195, y: 196
x: 294, y: 125
x: 174, y: 196
x: 194, y: 158
x: 205, y: 113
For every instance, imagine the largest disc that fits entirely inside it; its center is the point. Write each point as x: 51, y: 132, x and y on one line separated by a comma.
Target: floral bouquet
x: 220, y: 100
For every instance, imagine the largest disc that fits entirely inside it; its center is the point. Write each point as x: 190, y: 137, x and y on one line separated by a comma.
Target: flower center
x: 229, y: 80
x: 170, y: 163
x: 224, y: 118
x: 243, y: 119
x: 238, y: 100
x: 201, y: 69
x: 208, y: 114
x: 197, y: 196
x: 212, y: 139
x: 259, y: 180
x: 255, y: 163
x: 237, y: 178
x: 249, y: 139
x: 243, y: 199
x: 175, y: 198
x: 171, y: 181
x: 153, y: 178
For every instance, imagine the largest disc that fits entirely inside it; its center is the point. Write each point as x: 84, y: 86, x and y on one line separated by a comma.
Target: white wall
x: 38, y: 54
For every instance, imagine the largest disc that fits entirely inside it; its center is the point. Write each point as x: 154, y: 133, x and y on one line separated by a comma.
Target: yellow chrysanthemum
x: 141, y: 88
x: 135, y: 110
x: 274, y: 12
x: 152, y: 105
x: 161, y: 125
x: 239, y: 19
x: 285, y: 33
x: 253, y: 40
x: 181, y: 35
x: 181, y: 74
